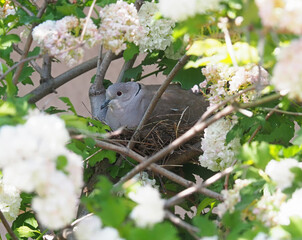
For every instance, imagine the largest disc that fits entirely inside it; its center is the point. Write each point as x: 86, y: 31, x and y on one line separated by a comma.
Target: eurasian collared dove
x: 126, y: 104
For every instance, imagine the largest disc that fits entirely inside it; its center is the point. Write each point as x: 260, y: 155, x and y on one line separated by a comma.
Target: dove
x: 126, y: 103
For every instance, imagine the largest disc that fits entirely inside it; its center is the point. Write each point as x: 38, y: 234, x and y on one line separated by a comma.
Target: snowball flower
x: 119, y: 24
x: 62, y: 38
x: 180, y: 10
x: 291, y: 208
x: 158, y: 32
x: 150, y: 208
x: 284, y: 15
x: 231, y: 197
x: 90, y: 228
x: 216, y: 155
x: 287, y: 74
x: 280, y: 172
x: 10, y: 201
x: 29, y: 154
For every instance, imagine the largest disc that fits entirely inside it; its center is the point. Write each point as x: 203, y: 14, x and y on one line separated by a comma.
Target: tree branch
x: 28, y: 44
x: 126, y: 66
x: 154, y: 167
x: 7, y: 227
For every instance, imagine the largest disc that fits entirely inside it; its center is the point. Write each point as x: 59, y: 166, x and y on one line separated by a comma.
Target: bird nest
x: 158, y: 134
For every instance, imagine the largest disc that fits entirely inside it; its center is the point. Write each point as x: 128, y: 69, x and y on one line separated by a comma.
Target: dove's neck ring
x: 139, y: 88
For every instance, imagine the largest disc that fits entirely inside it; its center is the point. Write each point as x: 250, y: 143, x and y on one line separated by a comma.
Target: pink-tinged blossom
x: 7, y: 10
x: 284, y: 15
x: 120, y: 24
x: 224, y: 81
x: 287, y: 74
x: 62, y: 38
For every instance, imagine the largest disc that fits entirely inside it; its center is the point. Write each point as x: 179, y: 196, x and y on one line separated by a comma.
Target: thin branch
x: 32, y: 62
x: 87, y: 20
x: 196, y: 129
x: 154, y: 167
x: 177, y: 221
x: 259, y: 127
x: 181, y: 195
x: 21, y: 62
x: 179, y: 65
x: 127, y: 65
x: 7, y: 227
x: 28, y: 44
x: 260, y: 101
x: 283, y: 112
x: 25, y: 9
x: 46, y: 72
x: 151, y: 73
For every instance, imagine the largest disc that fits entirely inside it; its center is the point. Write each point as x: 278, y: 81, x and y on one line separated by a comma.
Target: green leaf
x: 25, y: 75
x: 256, y: 152
x: 69, y: 104
x: 134, y: 73
x: 26, y: 232
x: 298, y: 138
x: 70, y: 10
x: 294, y: 228
x: 204, y: 203
x: 130, y: 51
x: 206, y: 226
x: 204, y: 47
x: 61, y: 163
x: 7, y: 40
x: 100, y: 156
x: 163, y: 230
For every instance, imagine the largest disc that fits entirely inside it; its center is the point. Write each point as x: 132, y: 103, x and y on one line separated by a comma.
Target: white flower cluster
x: 182, y: 9
x: 268, y: 207
x: 281, y: 14
x: 224, y: 81
x: 287, y: 72
x: 231, y: 197
x: 91, y: 228
x: 216, y: 155
x: 29, y: 156
x: 279, y: 171
x: 120, y: 24
x: 10, y: 201
x: 7, y: 9
x: 158, y: 32
x: 62, y: 38
x: 150, y: 208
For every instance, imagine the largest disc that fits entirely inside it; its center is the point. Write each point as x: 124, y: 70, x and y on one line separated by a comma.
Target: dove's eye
x: 119, y: 93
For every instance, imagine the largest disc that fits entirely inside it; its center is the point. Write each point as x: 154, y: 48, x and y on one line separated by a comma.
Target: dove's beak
x: 105, y: 104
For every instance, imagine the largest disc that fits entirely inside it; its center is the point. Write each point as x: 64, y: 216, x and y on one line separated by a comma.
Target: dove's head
x: 120, y: 94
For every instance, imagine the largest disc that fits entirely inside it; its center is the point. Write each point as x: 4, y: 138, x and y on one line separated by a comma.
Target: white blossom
x: 284, y: 15
x: 279, y: 171
x: 90, y: 228
x: 231, y: 197
x: 180, y: 10
x: 157, y: 32
x: 10, y: 201
x: 29, y: 156
x: 210, y: 238
x: 216, y: 155
x: 287, y: 72
x: 61, y: 38
x: 120, y: 24
x: 291, y: 208
x: 150, y: 208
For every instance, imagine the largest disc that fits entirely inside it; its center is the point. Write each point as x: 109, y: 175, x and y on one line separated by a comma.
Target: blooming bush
x: 76, y: 178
